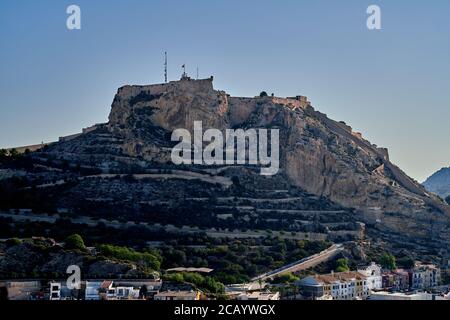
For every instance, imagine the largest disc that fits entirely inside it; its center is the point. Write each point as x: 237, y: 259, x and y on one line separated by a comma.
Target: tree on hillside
x: 447, y: 200
x: 387, y: 261
x: 342, y: 265
x: 13, y: 153
x: 75, y: 241
x: 3, y: 155
x: 405, y: 262
x: 263, y: 94
x: 285, y: 279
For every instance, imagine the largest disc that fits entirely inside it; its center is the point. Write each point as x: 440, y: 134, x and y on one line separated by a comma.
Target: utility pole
x: 165, y: 67
x: 197, y: 73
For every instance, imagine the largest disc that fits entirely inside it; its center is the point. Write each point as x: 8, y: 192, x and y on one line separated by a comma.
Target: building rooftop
x: 178, y: 294
x: 333, y: 278
x: 181, y: 269
x: 106, y: 284
x: 263, y: 296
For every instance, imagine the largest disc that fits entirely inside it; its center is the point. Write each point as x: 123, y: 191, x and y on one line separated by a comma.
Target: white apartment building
x: 55, y: 291
x: 425, y: 276
x: 108, y: 290
x: 373, y: 275
x: 122, y: 293
x: 92, y: 290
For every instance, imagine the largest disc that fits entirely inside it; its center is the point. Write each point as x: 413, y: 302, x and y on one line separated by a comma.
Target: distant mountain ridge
x: 439, y: 183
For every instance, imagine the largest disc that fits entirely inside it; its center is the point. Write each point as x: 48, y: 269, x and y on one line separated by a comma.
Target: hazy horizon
x: 391, y: 85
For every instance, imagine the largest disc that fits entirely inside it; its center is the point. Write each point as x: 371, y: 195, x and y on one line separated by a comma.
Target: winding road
x: 303, y: 264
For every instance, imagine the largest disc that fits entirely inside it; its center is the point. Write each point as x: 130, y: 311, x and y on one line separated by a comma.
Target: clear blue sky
x: 392, y: 85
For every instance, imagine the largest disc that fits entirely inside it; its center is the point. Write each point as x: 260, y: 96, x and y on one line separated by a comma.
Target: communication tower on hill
x: 184, y: 75
x: 165, y: 67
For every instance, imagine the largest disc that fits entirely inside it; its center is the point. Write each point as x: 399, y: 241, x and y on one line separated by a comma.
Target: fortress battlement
x: 184, y: 84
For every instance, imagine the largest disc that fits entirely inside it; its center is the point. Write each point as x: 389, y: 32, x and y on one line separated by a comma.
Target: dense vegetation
x: 74, y: 241
x: 238, y: 261
x: 233, y: 261
x: 149, y: 259
x: 287, y: 278
x: 342, y: 265
x: 387, y: 261
x: 206, y: 284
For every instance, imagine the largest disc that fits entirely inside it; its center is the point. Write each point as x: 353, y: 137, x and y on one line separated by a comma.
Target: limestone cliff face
x: 141, y: 112
x: 320, y: 155
x: 170, y: 106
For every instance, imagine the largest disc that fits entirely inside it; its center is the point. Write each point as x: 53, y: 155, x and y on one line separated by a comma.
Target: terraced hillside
x: 331, y: 179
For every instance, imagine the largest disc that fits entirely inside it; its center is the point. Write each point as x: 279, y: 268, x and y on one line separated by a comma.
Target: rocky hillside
x: 44, y: 258
x: 439, y: 183
x: 329, y: 175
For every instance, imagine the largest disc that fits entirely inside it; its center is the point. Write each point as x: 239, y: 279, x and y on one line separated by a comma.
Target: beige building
x: 425, y: 276
x: 339, y: 286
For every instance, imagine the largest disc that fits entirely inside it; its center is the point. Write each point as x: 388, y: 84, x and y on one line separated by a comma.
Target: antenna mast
x: 184, y: 70
x: 165, y: 67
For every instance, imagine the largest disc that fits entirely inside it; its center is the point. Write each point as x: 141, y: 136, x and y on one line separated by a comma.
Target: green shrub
x: 150, y: 260
x: 285, y: 278
x: 207, y: 284
x: 387, y: 261
x: 406, y: 262
x: 342, y: 265
x: 74, y: 241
